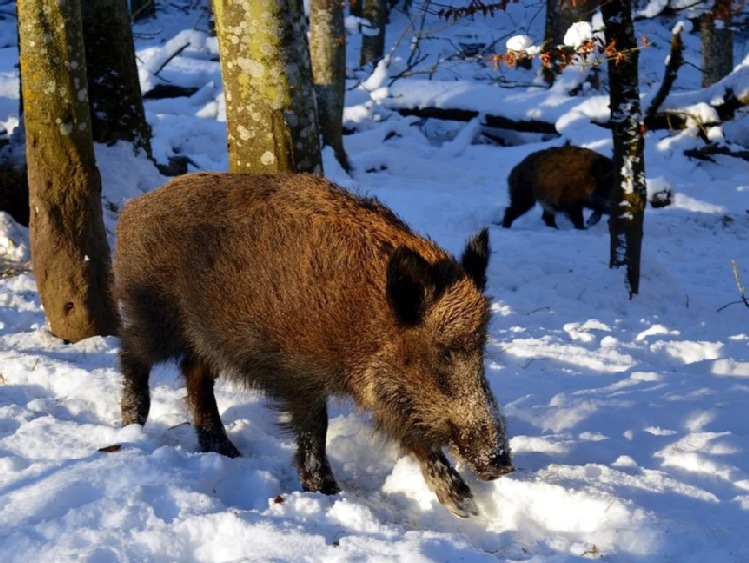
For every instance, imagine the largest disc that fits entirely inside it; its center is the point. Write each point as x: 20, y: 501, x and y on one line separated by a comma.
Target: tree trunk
x: 373, y: 38
x: 560, y: 15
x: 629, y: 194
x: 113, y: 86
x: 328, y: 51
x: 271, y: 119
x: 68, y: 240
x: 717, y: 43
x: 142, y: 9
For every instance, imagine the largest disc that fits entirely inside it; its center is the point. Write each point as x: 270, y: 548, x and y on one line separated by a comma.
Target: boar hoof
x: 316, y: 484
x: 217, y: 444
x: 462, y: 507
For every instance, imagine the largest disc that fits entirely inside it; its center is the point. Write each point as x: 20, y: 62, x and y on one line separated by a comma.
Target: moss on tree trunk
x: 629, y: 193
x: 68, y: 240
x: 270, y: 106
x: 117, y: 112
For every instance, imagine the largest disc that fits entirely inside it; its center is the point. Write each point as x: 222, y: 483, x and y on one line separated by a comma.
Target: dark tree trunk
x: 560, y: 15
x: 114, y: 93
x: 373, y: 39
x: 629, y: 194
x: 271, y: 118
x: 717, y: 43
x: 328, y: 52
x: 68, y: 240
x: 142, y: 9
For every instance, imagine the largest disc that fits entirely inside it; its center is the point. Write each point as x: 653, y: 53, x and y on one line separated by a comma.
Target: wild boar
x: 290, y: 285
x: 565, y: 179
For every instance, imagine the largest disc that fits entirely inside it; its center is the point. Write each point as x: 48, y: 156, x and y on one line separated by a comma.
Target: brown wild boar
x: 563, y: 179
x: 292, y: 286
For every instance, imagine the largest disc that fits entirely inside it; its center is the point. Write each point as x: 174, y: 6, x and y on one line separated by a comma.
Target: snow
x: 578, y: 34
x: 627, y: 417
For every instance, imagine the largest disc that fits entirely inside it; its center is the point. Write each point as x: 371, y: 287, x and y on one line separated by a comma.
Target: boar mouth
x: 495, y: 472
x: 500, y: 464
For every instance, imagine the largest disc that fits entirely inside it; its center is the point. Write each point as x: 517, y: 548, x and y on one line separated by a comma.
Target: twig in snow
x: 740, y: 285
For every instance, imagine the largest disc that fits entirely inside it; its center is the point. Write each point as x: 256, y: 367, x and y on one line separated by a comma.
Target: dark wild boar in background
x: 565, y: 179
x: 293, y: 286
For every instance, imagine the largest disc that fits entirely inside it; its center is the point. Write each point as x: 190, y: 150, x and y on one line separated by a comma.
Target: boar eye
x: 446, y: 356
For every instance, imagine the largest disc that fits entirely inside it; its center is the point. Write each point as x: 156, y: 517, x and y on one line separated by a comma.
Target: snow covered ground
x: 628, y: 418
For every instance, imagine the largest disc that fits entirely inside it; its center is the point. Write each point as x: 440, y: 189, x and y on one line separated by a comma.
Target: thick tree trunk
x: 328, y: 51
x: 717, y: 43
x: 560, y: 15
x: 629, y: 194
x: 142, y: 9
x: 113, y: 86
x: 373, y: 38
x: 68, y: 240
x: 271, y: 118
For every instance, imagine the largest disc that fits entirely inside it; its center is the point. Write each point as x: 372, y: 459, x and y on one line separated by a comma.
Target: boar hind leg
x: 206, y: 419
x: 549, y: 219
x: 444, y: 481
x: 516, y: 209
x: 310, y: 423
x: 576, y: 216
x: 136, y: 399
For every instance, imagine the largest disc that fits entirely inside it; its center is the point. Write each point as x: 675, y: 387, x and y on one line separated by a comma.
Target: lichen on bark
x: 270, y: 107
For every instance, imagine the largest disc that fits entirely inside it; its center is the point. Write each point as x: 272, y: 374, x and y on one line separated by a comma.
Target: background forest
x: 624, y: 402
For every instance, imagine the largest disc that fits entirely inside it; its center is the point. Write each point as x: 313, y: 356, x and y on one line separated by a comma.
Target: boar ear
x: 476, y: 258
x: 408, y: 276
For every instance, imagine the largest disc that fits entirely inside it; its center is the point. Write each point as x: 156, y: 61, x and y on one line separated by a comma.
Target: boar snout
x: 500, y: 464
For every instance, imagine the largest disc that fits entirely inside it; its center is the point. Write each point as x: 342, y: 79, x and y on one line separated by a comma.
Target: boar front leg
x: 206, y: 419
x: 310, y: 424
x: 444, y: 481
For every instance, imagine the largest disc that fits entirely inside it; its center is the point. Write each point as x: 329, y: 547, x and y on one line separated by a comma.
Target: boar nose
x: 500, y: 464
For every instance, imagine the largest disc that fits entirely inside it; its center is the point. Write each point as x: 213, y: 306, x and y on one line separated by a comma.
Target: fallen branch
x: 740, y: 285
x: 498, y: 121
x: 708, y: 151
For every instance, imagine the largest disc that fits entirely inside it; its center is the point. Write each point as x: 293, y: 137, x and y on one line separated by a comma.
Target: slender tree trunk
x: 355, y: 7
x: 629, y: 194
x: 113, y: 86
x: 717, y: 43
x: 68, y: 240
x: 373, y: 39
x: 328, y: 51
x: 271, y: 118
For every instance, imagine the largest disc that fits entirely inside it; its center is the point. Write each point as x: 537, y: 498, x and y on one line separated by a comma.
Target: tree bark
x: 117, y: 112
x: 271, y: 119
x: 68, y: 240
x: 560, y: 15
x: 373, y: 38
x: 629, y: 194
x: 142, y: 9
x: 328, y: 52
x: 717, y: 43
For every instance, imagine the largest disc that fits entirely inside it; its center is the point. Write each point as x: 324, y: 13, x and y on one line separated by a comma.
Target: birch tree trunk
x: 629, y: 194
x: 68, y: 241
x: 271, y: 118
x: 117, y: 112
x: 328, y: 52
